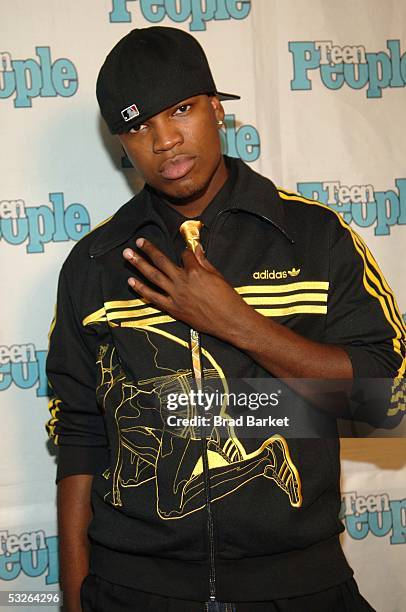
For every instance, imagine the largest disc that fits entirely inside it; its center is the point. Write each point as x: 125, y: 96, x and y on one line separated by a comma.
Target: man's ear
x: 218, y: 108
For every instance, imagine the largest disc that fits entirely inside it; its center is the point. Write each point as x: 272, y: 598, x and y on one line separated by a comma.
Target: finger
x: 199, y: 254
x: 150, y: 272
x: 149, y: 295
x: 189, y: 259
x: 204, y: 262
x: 201, y: 258
x: 161, y: 261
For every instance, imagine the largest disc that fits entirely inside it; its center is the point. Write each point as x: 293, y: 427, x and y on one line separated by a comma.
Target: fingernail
x: 131, y: 282
x: 140, y: 242
x: 128, y: 253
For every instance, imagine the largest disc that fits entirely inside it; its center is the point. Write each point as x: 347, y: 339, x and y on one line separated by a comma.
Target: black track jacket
x: 113, y: 360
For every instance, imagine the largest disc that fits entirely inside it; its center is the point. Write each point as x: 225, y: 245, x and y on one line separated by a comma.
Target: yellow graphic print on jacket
x: 148, y: 450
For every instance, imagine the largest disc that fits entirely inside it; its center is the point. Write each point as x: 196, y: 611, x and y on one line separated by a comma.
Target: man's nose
x: 166, y: 136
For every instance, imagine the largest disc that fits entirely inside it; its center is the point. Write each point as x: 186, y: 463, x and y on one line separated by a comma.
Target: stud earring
x: 219, y: 122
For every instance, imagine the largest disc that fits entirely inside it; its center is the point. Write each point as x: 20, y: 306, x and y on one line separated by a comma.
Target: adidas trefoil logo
x: 274, y: 274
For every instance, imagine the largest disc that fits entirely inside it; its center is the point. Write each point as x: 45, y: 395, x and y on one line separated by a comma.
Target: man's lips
x: 177, y: 167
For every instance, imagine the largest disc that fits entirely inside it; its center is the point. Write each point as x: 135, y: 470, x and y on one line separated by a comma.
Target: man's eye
x: 137, y: 128
x: 182, y: 109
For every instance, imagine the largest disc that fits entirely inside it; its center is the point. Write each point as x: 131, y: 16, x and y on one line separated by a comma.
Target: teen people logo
x: 361, y: 204
x: 23, y: 365
x: 38, y: 225
x: 243, y: 142
x: 374, y: 514
x: 351, y: 65
x: 31, y: 553
x: 196, y: 12
x: 42, y: 77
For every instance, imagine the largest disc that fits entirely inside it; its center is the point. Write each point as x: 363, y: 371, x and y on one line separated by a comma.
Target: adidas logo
x: 273, y: 274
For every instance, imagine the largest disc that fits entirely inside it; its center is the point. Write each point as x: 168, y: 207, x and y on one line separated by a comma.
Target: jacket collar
x: 256, y: 194
x: 252, y: 193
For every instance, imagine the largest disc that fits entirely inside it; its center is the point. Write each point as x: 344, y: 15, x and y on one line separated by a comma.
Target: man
x: 180, y: 520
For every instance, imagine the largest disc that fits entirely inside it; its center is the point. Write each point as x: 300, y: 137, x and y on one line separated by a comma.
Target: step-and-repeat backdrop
x: 322, y: 87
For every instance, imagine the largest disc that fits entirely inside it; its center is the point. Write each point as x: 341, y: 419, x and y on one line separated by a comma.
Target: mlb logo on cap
x: 130, y: 112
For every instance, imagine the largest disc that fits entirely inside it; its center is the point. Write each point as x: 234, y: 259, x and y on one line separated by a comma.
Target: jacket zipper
x: 206, y: 478
x: 206, y: 474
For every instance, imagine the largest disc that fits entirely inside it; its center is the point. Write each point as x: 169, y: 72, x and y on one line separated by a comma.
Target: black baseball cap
x: 148, y: 70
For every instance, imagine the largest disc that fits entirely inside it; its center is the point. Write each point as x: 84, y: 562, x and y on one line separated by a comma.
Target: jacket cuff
x: 364, y: 365
x: 74, y: 460
x: 371, y: 400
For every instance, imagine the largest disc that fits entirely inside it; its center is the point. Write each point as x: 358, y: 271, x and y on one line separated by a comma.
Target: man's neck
x: 194, y: 206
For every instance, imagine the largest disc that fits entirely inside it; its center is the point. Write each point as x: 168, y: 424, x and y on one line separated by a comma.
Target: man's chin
x: 182, y: 192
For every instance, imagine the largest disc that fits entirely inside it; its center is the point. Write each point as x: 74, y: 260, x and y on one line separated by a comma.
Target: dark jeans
x: 98, y: 595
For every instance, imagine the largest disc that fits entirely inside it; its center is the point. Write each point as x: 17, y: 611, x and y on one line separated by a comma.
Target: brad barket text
x: 246, y: 420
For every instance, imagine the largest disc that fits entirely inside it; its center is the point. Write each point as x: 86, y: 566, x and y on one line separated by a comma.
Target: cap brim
x: 153, y: 111
x: 225, y: 96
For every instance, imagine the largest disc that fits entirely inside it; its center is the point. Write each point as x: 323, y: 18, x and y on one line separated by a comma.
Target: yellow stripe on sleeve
x: 371, y: 273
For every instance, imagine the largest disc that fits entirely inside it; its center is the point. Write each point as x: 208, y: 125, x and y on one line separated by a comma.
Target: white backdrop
x: 322, y: 112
